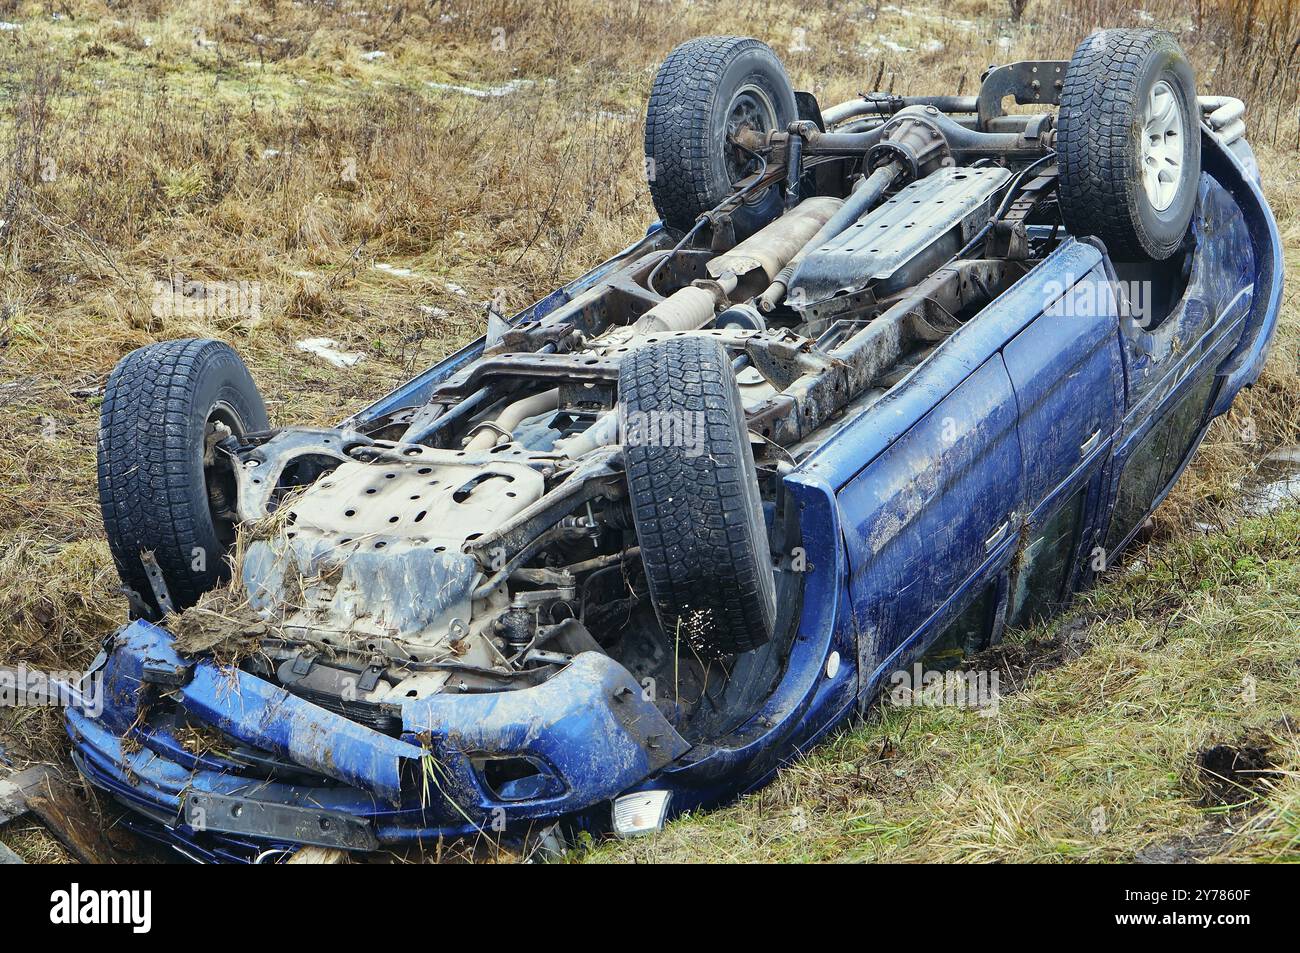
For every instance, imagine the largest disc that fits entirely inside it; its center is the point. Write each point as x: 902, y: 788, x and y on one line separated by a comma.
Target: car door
x: 929, y: 523
x: 1067, y: 373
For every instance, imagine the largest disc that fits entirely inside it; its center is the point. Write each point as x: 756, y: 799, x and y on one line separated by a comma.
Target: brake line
x: 1015, y: 189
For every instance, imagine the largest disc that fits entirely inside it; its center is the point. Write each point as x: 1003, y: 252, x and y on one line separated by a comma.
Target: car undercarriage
x: 480, y: 541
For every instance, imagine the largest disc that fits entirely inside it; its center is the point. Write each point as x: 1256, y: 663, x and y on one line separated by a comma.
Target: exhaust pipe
x: 864, y: 196
x: 488, y: 433
x: 755, y: 261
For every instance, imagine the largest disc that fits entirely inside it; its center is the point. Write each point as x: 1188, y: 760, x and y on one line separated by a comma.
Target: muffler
x: 742, y: 272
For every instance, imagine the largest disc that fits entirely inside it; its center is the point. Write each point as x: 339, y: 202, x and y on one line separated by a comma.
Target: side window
x: 966, y: 634
x: 1155, y: 460
x: 1184, y: 423
x: 1038, y: 586
x: 1138, y: 486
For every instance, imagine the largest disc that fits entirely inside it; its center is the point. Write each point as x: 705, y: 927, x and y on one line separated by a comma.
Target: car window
x: 1138, y: 486
x: 1036, y: 588
x: 1156, y: 459
x: 966, y: 634
x: 1184, y: 423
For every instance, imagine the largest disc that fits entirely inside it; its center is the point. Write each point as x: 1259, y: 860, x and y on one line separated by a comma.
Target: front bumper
x: 275, y: 771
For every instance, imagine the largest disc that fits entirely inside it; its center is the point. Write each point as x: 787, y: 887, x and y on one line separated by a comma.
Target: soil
x: 1187, y: 850
x: 1230, y: 773
x: 225, y: 628
x: 1017, y: 662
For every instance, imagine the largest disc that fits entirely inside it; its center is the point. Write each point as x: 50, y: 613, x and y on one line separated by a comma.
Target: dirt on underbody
x: 220, y: 625
x: 223, y: 624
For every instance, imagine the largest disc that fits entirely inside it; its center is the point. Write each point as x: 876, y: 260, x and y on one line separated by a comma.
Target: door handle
x: 997, y: 536
x: 1090, y: 444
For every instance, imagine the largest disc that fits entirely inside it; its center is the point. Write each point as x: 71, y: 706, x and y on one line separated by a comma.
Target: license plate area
x: 229, y: 814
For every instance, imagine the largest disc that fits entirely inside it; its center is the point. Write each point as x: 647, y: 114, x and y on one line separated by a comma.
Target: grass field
x: 377, y: 172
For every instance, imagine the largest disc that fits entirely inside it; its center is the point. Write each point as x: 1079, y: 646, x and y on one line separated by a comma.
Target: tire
x: 695, y: 503
x: 701, y: 86
x: 1102, y: 150
x: 153, y: 486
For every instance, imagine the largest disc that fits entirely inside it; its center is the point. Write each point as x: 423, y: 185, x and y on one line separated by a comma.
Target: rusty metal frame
x: 1030, y: 81
x: 831, y: 380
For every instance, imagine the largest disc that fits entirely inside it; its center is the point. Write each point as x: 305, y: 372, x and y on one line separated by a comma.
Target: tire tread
x: 1099, y: 186
x: 678, y: 147
x: 145, y: 465
x: 693, y: 512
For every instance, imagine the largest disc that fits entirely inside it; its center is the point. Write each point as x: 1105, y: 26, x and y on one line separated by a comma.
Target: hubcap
x: 752, y: 109
x: 1162, y: 146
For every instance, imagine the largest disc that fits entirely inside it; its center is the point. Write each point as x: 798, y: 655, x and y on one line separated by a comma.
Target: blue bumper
x: 581, y: 738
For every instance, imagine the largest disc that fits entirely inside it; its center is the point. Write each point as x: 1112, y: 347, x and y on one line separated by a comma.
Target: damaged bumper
x: 224, y: 763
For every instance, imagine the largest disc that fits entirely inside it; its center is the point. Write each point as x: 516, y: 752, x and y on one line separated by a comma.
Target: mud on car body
x: 895, y: 374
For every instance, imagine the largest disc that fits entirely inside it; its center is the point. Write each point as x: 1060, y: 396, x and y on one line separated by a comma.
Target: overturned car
x: 899, y: 373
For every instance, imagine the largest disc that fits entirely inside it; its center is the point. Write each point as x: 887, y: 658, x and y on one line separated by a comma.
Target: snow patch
x: 327, y: 348
x: 930, y: 17
x: 505, y: 89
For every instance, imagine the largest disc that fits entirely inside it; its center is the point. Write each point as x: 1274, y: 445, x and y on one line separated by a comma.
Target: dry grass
x: 150, y: 144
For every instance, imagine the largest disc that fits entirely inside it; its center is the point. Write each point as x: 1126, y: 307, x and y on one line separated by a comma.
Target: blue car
x: 885, y: 378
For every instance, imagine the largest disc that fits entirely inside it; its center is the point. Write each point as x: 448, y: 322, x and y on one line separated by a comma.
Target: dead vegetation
x: 378, y: 171
x: 223, y: 624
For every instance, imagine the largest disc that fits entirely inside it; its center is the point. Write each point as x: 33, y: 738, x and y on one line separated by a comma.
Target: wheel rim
x: 751, y: 108
x: 1162, y: 146
x: 217, y: 473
